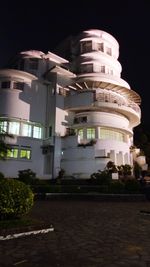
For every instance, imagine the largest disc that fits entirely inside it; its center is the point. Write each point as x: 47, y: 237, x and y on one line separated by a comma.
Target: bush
x: 1, y: 176
x: 27, y: 176
x: 16, y: 199
x: 102, y: 177
x: 116, y: 187
x: 132, y: 186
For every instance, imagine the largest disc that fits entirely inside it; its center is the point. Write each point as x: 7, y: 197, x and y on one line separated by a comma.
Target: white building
x: 75, y: 114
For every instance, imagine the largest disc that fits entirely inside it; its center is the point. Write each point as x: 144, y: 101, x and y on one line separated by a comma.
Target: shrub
x: 16, y: 199
x: 1, y: 176
x: 102, y: 177
x: 116, y: 187
x: 132, y: 186
x: 27, y: 176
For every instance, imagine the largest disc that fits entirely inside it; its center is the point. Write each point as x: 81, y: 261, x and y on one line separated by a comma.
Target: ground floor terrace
x: 87, y: 234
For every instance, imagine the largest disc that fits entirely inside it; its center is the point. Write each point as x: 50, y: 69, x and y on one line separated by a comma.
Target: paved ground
x: 87, y: 234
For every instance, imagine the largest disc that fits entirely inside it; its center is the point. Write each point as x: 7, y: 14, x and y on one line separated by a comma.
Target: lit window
x: 14, y: 127
x: 5, y: 85
x: 80, y: 133
x: 90, y: 133
x: 25, y: 154
x: 26, y: 129
x: 13, y: 153
x: 18, y: 86
x: 37, y: 132
x: 111, y: 135
x: 3, y: 126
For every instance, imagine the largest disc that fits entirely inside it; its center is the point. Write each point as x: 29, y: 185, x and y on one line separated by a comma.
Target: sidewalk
x: 87, y: 234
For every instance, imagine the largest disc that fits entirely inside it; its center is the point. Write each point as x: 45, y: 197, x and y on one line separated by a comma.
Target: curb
x: 13, y: 236
x: 91, y: 196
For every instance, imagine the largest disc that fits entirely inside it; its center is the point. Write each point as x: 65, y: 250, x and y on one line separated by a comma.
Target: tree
x: 111, y: 167
x: 4, y: 147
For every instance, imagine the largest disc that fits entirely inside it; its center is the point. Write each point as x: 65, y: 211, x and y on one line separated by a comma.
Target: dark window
x: 5, y: 85
x: 80, y: 119
x: 86, y: 46
x: 50, y: 131
x: 33, y: 63
x: 18, y: 86
x: 100, y: 47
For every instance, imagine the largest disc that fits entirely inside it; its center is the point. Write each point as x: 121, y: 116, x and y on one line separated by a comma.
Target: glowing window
x: 13, y: 153
x: 80, y: 133
x: 25, y: 154
x: 90, y: 133
x: 26, y: 129
x: 14, y: 127
x: 111, y: 135
x: 3, y: 126
x: 37, y: 132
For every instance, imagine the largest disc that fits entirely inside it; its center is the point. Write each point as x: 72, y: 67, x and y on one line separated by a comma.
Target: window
x: 90, y: 133
x: 100, y: 47
x: 103, y: 69
x: 25, y: 153
x: 3, y: 126
x: 108, y: 51
x: 37, y: 132
x: 86, y: 46
x: 13, y: 153
x: 14, y: 127
x: 80, y: 133
x: 50, y: 131
x: 33, y: 63
x: 18, y: 86
x: 26, y: 129
x: 80, y: 119
x: 86, y: 68
x: 5, y: 85
x: 111, y: 135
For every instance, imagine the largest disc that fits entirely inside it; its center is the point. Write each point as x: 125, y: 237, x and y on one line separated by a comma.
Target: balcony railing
x: 102, y: 97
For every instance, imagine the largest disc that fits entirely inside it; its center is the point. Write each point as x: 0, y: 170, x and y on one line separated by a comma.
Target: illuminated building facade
x: 76, y: 113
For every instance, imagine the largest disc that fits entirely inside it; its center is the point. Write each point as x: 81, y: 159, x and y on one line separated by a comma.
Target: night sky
x: 26, y: 25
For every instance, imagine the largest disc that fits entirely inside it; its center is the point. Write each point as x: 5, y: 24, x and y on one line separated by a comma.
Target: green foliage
x: 1, y: 176
x: 132, y: 186
x: 117, y: 187
x: 4, y: 147
x: 27, y: 176
x: 16, y: 199
x: 111, y: 167
x: 102, y: 177
x: 61, y: 173
x: 142, y: 140
x: 137, y: 170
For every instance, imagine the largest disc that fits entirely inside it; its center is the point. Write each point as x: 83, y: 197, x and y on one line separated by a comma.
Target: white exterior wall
x: 11, y: 167
x: 42, y: 102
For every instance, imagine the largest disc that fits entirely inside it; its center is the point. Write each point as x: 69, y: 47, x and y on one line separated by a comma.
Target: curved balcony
x: 89, y: 100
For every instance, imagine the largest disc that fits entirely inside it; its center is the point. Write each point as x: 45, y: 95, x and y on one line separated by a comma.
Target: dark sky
x: 41, y: 26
